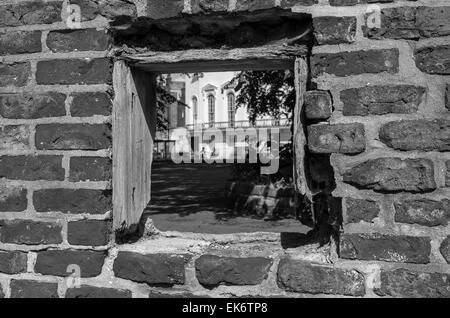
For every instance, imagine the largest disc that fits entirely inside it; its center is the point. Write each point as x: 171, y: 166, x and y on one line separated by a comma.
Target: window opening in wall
x: 215, y: 172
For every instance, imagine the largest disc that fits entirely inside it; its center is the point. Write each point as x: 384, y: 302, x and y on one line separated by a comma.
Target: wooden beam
x: 257, y: 58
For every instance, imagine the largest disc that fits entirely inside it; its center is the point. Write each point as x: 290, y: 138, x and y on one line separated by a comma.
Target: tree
x: 264, y: 93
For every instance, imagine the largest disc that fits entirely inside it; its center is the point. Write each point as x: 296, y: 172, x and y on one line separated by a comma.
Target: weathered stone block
x: 74, y: 71
x: 433, y: 60
x: 153, y: 269
x: 407, y: 283
x: 411, y: 23
x: 251, y: 5
x: 14, y: 137
x: 33, y: 289
x: 334, y: 30
x: 303, y: 277
x: 73, y: 201
x: 393, y: 175
x: 213, y: 270
x: 32, y: 105
x: 160, y: 9
x: 14, y: 74
x: 12, y: 199
x: 423, y: 212
x: 73, y: 136
x: 30, y: 232
x: 318, y: 105
x: 30, y: 12
x: 337, y: 138
x: 86, y: 291
x: 382, y: 99
x: 90, y: 169
x: 78, y: 40
x: 354, y: 63
x: 110, y: 9
x: 20, y: 42
x: 31, y: 168
x: 90, y: 104
x: 57, y: 262
x: 361, y: 210
x: 445, y: 249
x: 12, y: 262
x: 89, y: 232
x: 424, y: 135
x: 447, y: 174
x: 388, y: 248
x: 292, y: 3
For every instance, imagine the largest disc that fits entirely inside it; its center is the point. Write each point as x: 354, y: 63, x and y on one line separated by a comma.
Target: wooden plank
x: 257, y: 58
x: 134, y: 122
x: 300, y: 142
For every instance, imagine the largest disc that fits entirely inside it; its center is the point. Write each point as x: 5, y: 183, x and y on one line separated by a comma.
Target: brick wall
x: 380, y: 106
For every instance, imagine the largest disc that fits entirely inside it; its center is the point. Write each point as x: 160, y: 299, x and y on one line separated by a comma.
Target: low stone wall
x: 261, y: 200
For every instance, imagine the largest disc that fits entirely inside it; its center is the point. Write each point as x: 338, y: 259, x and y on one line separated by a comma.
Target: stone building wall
x: 387, y: 140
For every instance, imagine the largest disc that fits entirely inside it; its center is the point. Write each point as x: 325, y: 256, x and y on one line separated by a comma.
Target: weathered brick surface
x: 213, y: 270
x: 12, y: 199
x: 407, y: 283
x: 318, y: 105
x: 73, y: 201
x: 433, y: 60
x: 90, y: 169
x: 160, y: 9
x: 153, y: 269
x: 423, y: 212
x: 30, y: 232
x: 424, y: 135
x: 292, y: 3
x: 334, y: 30
x: 20, y: 42
x: 337, y: 138
x: 74, y: 71
x: 353, y: 63
x: 57, y: 262
x: 2, y: 293
x: 389, y: 248
x: 380, y: 100
x: 86, y: 291
x: 207, y: 6
x: 14, y: 74
x: 31, y: 168
x: 110, y: 9
x: 78, y: 40
x: 303, y: 277
x: 89, y: 232
x: 33, y: 289
x: 361, y: 210
x: 445, y: 249
x: 393, y: 175
x: 14, y: 137
x: 30, y: 12
x: 411, y: 23
x: 12, y: 262
x: 251, y: 5
x: 31, y: 106
x: 90, y: 104
x: 73, y: 136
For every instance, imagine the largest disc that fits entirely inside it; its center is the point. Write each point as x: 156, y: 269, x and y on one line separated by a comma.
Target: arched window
x: 231, y: 108
x: 194, y: 110
x: 211, y: 110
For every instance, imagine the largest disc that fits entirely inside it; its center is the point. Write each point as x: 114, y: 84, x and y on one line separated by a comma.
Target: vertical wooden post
x: 134, y: 125
x: 300, y: 142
